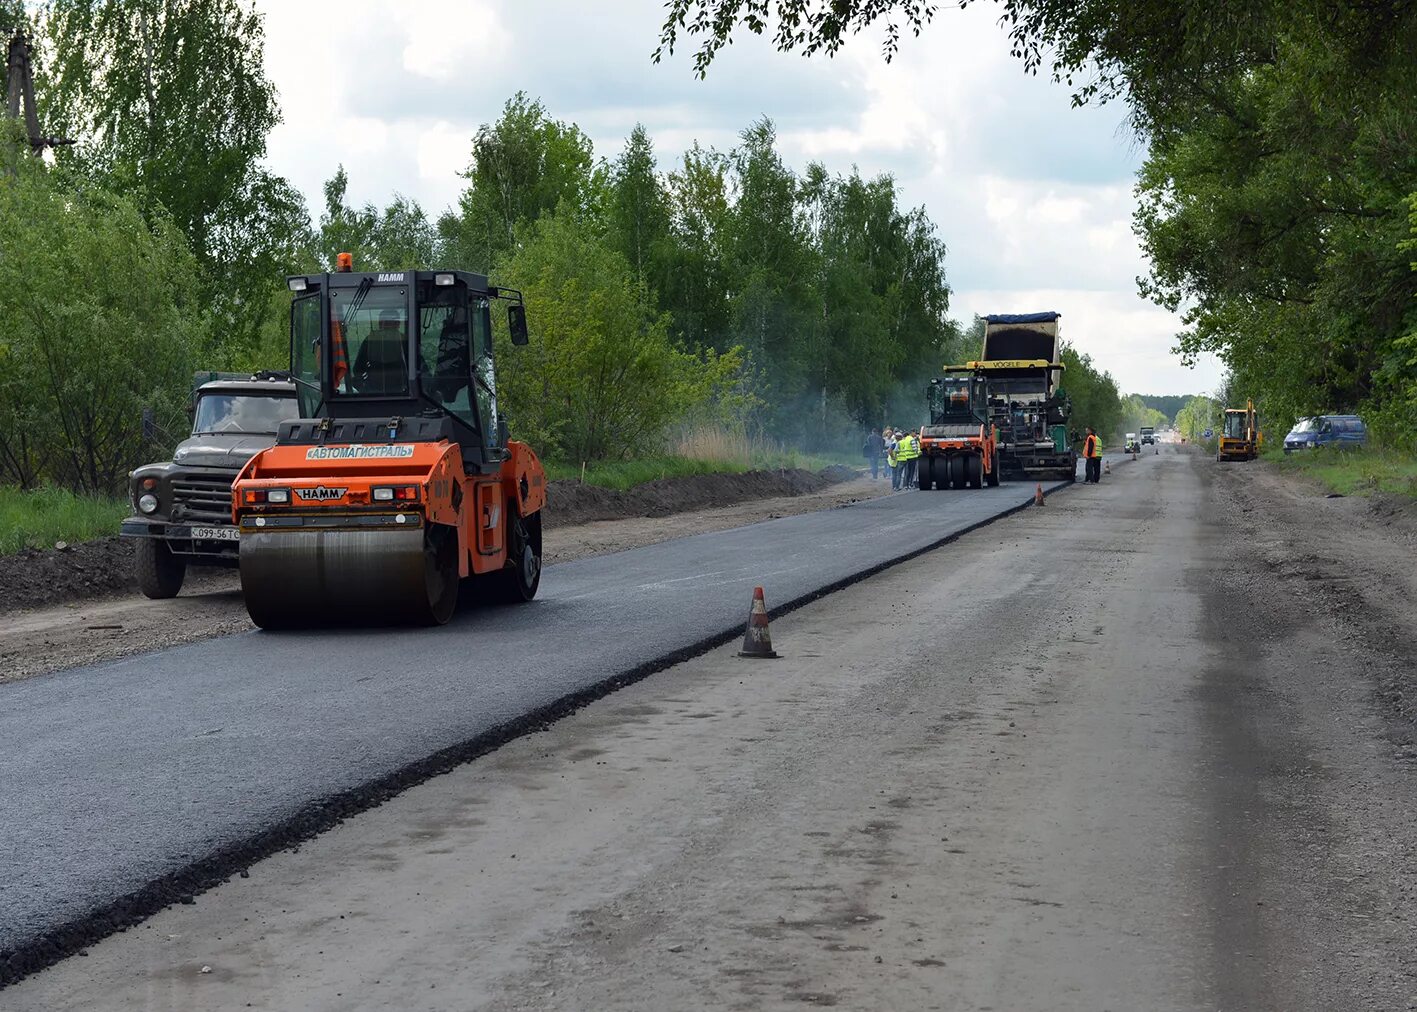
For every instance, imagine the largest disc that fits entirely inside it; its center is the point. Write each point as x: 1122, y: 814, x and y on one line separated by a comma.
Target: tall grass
x: 1353, y: 472
x: 40, y: 518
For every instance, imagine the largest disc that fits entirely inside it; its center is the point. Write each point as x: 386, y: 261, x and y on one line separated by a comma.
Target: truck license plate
x: 215, y: 534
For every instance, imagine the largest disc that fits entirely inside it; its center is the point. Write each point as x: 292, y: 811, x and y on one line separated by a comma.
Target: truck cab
x: 182, y: 507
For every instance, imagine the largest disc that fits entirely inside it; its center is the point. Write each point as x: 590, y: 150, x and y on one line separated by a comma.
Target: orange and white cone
x: 1038, y: 494
x: 757, y: 641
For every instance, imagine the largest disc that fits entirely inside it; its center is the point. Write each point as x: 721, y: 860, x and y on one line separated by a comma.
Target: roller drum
x: 303, y: 578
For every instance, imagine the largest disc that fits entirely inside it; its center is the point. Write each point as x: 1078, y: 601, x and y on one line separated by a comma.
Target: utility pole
x: 20, y: 79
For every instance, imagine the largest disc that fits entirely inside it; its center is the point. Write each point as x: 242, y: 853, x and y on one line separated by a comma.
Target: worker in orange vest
x: 1092, y: 455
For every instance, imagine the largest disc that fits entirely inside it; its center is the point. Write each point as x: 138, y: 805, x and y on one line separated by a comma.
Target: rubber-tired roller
x: 398, y: 484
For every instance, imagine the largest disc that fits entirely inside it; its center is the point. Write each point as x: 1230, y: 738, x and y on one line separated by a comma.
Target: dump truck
x: 1239, y: 434
x: 957, y: 447
x: 398, y: 482
x: 182, y: 507
x: 1022, y: 358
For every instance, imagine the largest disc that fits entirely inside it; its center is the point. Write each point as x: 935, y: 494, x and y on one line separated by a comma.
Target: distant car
x: 1326, y: 430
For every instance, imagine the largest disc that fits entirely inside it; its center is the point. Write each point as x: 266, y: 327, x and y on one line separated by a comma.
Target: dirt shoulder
x: 94, y: 628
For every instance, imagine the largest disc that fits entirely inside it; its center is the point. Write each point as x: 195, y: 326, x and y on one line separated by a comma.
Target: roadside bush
x: 602, y: 377
x: 97, y: 317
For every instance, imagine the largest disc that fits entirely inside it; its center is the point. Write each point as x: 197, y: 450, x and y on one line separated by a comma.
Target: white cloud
x: 445, y: 39
x: 1031, y: 196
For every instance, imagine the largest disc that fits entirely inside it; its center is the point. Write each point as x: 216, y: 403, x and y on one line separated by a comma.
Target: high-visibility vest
x: 909, y: 447
x: 1089, y: 447
x: 891, y: 457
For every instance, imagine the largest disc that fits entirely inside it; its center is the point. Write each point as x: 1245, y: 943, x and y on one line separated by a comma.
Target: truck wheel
x: 928, y: 478
x: 993, y: 476
x: 160, y: 572
x: 518, y: 583
x: 974, y: 470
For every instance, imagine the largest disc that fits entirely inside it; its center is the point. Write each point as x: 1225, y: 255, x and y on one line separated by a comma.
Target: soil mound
x: 569, y: 502
x: 36, y: 577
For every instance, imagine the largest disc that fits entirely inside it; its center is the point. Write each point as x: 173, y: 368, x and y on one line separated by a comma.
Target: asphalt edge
x: 184, y: 885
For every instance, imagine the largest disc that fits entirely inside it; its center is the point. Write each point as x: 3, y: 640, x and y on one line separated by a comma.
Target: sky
x: 1032, y: 197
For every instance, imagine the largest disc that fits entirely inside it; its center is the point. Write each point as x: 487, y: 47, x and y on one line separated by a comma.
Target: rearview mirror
x: 503, y: 432
x: 516, y: 323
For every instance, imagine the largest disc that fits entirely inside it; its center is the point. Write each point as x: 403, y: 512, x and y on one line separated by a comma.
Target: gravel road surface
x: 126, y: 776
x: 1101, y: 755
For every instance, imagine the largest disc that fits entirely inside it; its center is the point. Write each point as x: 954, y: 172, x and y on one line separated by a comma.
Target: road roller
x: 398, y: 485
x: 958, y: 447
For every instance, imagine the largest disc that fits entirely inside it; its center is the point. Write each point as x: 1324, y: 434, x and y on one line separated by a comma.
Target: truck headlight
x: 147, y: 503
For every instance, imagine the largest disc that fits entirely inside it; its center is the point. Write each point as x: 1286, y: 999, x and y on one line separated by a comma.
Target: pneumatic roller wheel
x: 974, y: 470
x: 957, y: 475
x: 925, y: 480
x: 993, y: 476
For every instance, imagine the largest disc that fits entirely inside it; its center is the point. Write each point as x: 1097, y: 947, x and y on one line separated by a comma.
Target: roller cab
x: 398, y: 484
x: 957, y: 447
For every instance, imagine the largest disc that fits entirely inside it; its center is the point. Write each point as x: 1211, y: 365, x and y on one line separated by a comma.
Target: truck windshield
x: 255, y: 413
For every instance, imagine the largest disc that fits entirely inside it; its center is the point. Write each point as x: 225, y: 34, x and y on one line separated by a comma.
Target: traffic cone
x: 1106, y: 467
x: 757, y: 641
x: 1038, y: 494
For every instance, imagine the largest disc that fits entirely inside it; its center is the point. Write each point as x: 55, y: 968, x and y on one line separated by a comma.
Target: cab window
x: 444, y: 359
x: 369, y: 338
x: 305, y: 352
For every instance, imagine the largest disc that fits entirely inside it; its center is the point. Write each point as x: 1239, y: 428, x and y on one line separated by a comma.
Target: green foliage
x: 171, y: 105
x: 40, y: 517
x: 523, y: 166
x: 1277, y: 195
x: 1136, y: 415
x: 1096, y: 399
x: 602, y: 376
x: 1355, y: 472
x: 399, y: 237
x: 97, y: 321
x: 833, y: 296
x: 637, y: 210
x: 1197, y: 415
x: 1167, y: 404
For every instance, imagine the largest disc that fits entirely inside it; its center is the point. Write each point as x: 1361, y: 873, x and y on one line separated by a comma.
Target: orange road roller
x: 398, y: 485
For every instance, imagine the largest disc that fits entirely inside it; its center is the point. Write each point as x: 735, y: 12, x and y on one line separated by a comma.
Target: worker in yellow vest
x: 908, y: 452
x: 1092, y: 456
x: 893, y: 457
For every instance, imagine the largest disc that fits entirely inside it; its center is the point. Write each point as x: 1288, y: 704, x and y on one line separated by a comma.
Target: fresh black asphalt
x: 117, y: 776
